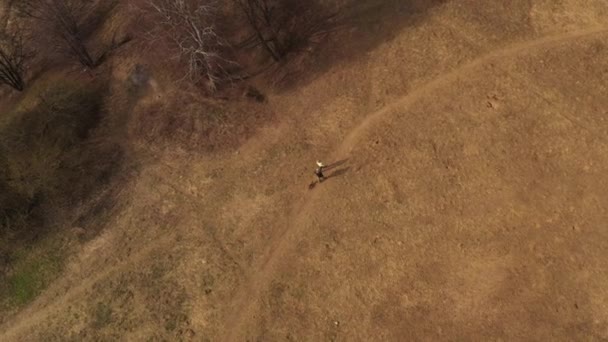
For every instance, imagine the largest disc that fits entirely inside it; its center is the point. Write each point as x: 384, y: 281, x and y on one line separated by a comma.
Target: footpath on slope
x: 262, y: 274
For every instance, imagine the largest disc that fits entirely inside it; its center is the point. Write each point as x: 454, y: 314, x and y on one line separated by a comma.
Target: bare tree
x: 63, y: 20
x: 12, y: 59
x: 280, y: 26
x: 190, y: 27
x: 261, y: 18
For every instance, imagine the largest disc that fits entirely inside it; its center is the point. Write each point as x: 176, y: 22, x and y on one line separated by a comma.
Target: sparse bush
x: 37, y: 141
x: 57, y: 150
x: 282, y: 26
x: 63, y: 21
x: 13, y: 56
x: 42, y: 152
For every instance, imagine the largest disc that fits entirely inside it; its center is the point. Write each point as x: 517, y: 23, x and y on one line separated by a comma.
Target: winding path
x: 246, y: 298
x: 261, y: 274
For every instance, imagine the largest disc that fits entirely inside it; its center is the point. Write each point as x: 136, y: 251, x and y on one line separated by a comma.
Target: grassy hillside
x: 464, y: 198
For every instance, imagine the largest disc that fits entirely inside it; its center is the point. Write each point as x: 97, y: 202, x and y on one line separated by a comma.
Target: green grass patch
x: 27, y: 283
x: 32, y: 270
x: 41, y: 142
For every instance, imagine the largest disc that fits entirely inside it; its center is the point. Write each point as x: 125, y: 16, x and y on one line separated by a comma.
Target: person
x: 319, y: 171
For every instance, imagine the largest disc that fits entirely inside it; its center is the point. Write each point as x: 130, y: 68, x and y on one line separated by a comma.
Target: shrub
x: 37, y: 149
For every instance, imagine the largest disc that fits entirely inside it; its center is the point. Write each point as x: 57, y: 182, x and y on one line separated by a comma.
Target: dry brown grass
x: 471, y: 206
x: 60, y: 148
x: 190, y: 122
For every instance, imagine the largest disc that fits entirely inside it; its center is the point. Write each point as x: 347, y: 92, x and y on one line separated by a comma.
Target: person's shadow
x: 336, y: 173
x: 335, y: 165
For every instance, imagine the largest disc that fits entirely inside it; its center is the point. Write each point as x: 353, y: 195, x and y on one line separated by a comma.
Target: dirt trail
x: 245, y: 301
x: 261, y: 274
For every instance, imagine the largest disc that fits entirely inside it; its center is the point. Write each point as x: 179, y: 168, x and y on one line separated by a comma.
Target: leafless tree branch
x: 281, y: 26
x: 189, y: 26
x: 63, y: 20
x: 13, y: 56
